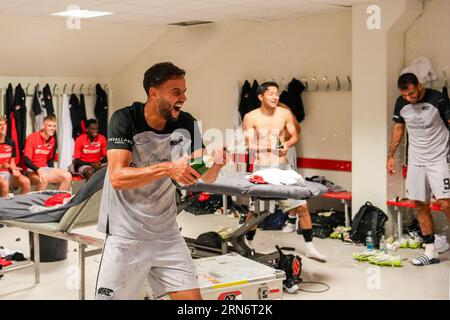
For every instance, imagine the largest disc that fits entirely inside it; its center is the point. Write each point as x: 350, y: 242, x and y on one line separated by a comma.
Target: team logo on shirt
x: 86, y: 151
x: 42, y: 151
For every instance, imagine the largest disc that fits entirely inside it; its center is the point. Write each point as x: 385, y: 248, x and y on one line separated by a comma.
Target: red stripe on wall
x: 306, y: 163
x: 324, y: 164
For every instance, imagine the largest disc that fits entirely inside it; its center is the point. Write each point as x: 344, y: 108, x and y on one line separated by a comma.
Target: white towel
x: 421, y: 67
x: 280, y: 177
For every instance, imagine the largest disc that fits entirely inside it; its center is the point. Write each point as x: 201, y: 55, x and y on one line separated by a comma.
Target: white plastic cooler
x: 233, y: 277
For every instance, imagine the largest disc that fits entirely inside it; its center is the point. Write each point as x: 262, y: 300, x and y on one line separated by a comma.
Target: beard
x: 165, y: 108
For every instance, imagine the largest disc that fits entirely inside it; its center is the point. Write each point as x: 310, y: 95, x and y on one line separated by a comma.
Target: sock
x: 250, y: 235
x: 429, y: 238
x: 311, y: 252
x: 430, y: 251
x: 292, y: 220
x: 307, y: 235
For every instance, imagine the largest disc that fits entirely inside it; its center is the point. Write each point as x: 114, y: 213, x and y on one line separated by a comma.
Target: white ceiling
x: 160, y: 12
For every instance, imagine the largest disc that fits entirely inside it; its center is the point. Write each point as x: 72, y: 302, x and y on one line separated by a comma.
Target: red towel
x: 203, y: 197
x: 56, y: 199
x: 257, y: 179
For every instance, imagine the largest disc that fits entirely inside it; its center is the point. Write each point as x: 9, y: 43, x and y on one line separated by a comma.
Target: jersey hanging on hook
x: 293, y: 99
x: 101, y: 109
x: 20, y: 115
x: 47, y: 101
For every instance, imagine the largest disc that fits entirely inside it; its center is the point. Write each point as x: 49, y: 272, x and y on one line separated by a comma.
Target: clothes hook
x: 64, y: 88
x: 26, y: 90
x: 349, y: 83
x: 306, y: 84
x: 81, y: 88
x: 54, y: 88
x: 445, y: 78
x: 325, y: 78
x: 89, y: 89
x: 314, y: 79
x: 338, y: 88
x: 73, y: 88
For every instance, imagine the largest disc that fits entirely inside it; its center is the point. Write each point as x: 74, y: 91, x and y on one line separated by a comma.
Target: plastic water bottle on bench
x: 369, y: 241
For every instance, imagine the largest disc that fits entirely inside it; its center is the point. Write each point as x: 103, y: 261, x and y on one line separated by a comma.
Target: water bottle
x: 383, y: 244
x: 369, y: 241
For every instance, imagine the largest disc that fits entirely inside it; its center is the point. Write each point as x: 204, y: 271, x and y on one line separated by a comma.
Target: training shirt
x: 38, y: 150
x: 148, y: 212
x: 90, y: 151
x: 427, y: 125
x: 7, y: 151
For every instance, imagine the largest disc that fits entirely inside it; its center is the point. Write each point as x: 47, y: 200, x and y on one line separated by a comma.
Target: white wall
x: 216, y: 56
x: 32, y: 46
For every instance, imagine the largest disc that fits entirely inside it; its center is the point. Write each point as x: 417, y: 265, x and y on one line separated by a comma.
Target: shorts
x: 82, y: 168
x: 166, y: 263
x: 421, y: 181
x: 6, y: 175
x: 28, y: 170
x: 285, y: 205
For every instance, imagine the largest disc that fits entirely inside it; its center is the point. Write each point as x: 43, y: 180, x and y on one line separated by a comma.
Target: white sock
x: 311, y: 252
x: 430, y: 251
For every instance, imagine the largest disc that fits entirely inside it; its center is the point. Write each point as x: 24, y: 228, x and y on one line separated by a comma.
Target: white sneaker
x: 441, y: 243
x: 288, y: 228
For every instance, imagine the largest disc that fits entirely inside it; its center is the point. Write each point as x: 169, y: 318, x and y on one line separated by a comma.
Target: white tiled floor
x: 346, y: 278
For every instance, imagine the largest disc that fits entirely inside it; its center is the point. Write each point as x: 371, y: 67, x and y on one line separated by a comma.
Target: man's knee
x: 421, y: 204
x: 64, y: 175
x: 4, y: 185
x: 444, y: 203
x: 24, y: 182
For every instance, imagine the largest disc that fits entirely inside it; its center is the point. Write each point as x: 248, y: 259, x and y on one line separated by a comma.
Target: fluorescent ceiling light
x: 78, y: 13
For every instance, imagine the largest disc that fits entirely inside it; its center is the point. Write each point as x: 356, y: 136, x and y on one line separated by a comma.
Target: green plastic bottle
x: 202, y: 164
x: 279, y: 144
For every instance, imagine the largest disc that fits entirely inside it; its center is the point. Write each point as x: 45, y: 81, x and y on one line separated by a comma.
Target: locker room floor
x: 346, y: 278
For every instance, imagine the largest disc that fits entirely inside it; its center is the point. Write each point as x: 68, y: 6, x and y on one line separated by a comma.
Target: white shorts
x: 421, y: 181
x: 126, y: 263
x: 6, y: 175
x: 285, y: 205
x: 28, y: 170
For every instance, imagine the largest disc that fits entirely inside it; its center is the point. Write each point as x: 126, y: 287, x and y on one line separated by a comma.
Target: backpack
x: 368, y: 218
x: 274, y: 221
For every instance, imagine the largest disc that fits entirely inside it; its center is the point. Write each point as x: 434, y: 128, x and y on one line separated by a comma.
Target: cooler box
x: 233, y: 277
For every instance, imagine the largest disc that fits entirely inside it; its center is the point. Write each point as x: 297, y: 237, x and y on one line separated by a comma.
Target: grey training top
x: 427, y: 124
x: 147, y: 212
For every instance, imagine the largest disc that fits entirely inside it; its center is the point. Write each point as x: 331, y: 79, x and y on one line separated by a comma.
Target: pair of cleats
x: 410, y: 242
x: 340, y: 232
x: 378, y: 258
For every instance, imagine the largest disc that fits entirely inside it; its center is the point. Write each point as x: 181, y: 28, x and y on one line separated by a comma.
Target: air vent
x: 189, y: 23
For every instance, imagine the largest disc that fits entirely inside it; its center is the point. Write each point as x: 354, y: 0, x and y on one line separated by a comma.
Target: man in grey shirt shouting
x: 147, y: 144
x: 426, y: 115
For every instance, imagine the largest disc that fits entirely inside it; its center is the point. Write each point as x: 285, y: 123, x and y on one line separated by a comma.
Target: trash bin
x: 51, y: 249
